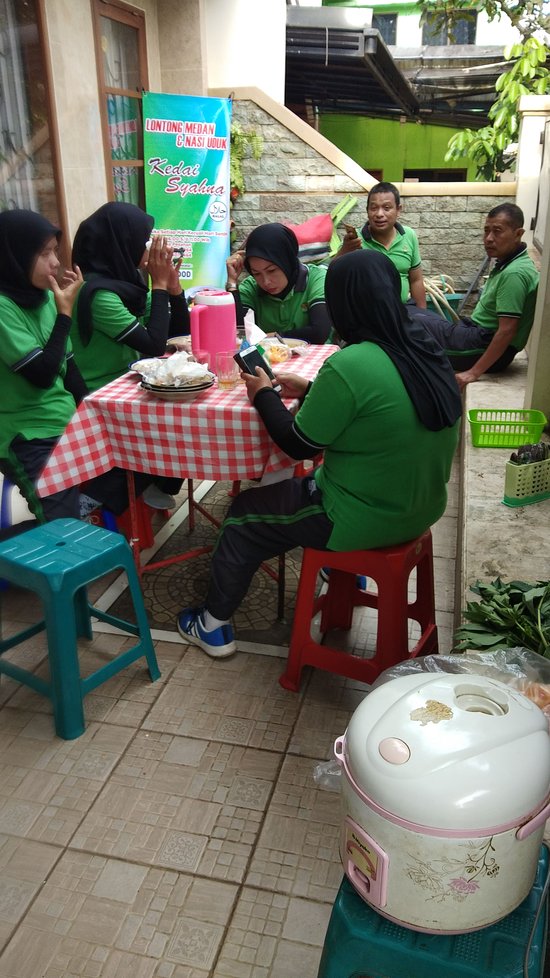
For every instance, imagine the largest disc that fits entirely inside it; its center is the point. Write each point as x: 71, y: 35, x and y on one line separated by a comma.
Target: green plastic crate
x: 505, y: 427
x: 526, y: 484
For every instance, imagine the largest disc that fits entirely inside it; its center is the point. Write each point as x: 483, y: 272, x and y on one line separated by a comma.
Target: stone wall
x: 292, y: 182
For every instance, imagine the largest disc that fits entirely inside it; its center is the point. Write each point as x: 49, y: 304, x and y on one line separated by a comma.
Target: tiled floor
x: 183, y: 835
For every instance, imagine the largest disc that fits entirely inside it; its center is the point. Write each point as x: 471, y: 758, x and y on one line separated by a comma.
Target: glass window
x: 27, y: 176
x: 386, y: 24
x: 120, y: 39
x: 461, y: 31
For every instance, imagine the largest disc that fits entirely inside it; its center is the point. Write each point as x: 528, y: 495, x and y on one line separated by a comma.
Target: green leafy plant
x: 508, y: 615
x: 242, y: 141
x: 493, y: 148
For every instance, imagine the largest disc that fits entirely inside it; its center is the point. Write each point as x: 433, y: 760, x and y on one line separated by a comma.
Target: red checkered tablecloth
x: 217, y: 436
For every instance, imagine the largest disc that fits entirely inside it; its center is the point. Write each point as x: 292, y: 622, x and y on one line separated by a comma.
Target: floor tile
x: 237, y: 700
x: 297, y: 851
x: 183, y: 803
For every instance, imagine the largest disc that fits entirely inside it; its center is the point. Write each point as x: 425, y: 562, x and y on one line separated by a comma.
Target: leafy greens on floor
x: 508, y: 615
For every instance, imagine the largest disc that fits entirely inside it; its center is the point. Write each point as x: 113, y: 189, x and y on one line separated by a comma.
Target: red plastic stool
x: 390, y: 568
x: 144, y: 519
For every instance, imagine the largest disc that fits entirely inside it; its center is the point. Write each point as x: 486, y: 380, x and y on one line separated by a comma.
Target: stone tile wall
x: 292, y: 181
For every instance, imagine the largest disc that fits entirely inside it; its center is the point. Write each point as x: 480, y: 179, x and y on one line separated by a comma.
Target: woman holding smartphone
x: 385, y: 411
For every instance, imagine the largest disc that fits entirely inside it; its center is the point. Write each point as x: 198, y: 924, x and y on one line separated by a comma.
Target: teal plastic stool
x: 362, y: 944
x: 56, y: 561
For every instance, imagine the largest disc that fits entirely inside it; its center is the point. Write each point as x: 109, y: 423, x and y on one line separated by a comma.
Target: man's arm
x: 507, y: 329
x: 416, y: 286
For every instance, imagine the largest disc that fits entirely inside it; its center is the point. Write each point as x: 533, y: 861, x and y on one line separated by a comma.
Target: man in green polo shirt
x: 502, y: 319
x: 385, y: 234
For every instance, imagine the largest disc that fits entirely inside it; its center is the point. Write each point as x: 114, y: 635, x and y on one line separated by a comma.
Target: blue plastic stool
x: 57, y: 561
x: 362, y: 944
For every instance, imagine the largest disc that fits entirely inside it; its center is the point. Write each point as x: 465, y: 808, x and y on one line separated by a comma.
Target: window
x: 434, y: 176
x: 27, y: 174
x: 120, y: 47
x: 461, y: 31
x: 386, y: 24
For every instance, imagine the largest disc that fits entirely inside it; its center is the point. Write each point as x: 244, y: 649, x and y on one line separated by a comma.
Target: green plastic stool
x: 57, y: 561
x: 360, y: 943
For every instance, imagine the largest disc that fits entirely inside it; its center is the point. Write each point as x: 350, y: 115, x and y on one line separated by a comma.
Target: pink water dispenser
x: 213, y: 322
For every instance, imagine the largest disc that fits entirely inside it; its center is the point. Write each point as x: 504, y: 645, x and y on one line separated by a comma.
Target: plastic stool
x: 390, y: 568
x: 144, y: 523
x: 57, y: 561
x: 360, y: 942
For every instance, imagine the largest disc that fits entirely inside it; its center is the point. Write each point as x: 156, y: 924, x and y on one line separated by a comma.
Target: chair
x: 360, y: 941
x: 390, y: 568
x: 57, y: 561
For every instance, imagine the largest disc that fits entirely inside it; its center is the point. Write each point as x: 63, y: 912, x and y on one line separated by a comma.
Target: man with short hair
x: 503, y: 316
x: 385, y: 234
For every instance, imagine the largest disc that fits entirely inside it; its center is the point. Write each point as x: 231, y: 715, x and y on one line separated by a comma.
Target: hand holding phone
x: 251, y: 358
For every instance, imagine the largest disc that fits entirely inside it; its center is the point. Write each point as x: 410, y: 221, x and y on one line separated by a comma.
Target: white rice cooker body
x: 445, y: 793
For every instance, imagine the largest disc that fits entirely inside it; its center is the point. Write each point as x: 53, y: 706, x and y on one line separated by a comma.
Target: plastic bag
x: 328, y: 775
x: 520, y: 668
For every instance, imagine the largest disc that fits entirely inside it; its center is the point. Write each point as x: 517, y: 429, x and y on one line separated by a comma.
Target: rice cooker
x: 445, y: 792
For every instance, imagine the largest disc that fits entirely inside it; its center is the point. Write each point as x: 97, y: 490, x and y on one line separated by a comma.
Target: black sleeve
x: 74, y: 381
x: 282, y: 427
x: 42, y: 366
x: 240, y: 309
x: 151, y: 340
x: 179, y: 316
x: 318, y: 327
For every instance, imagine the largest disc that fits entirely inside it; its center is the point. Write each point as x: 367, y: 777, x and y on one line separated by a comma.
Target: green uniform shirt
x: 25, y: 409
x: 105, y: 359
x: 384, y: 475
x: 403, y: 252
x: 286, y: 315
x: 511, y: 290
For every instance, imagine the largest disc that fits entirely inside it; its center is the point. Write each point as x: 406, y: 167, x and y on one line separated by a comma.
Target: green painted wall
x: 390, y: 145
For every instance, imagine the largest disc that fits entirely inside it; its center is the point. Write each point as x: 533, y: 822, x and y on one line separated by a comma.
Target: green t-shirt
x: 510, y: 291
x: 26, y: 409
x: 104, y: 358
x: 384, y: 475
x: 403, y: 252
x: 286, y: 315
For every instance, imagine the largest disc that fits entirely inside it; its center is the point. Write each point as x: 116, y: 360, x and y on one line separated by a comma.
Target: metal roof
x: 342, y: 68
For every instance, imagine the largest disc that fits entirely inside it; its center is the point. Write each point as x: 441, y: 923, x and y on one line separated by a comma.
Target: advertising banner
x: 186, y: 158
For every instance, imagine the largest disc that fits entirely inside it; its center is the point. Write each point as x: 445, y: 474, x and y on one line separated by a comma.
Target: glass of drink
x: 227, y: 370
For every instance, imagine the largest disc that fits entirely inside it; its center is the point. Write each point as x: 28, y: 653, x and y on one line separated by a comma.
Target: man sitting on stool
x: 503, y: 316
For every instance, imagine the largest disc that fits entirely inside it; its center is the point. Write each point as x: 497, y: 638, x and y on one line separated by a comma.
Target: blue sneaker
x: 218, y: 642
x: 360, y: 580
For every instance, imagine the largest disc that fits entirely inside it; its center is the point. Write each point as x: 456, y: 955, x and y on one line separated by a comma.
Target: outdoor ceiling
x: 347, y: 70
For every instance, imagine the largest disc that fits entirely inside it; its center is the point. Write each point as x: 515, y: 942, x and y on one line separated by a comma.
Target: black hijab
x: 23, y: 234
x: 362, y: 291
x: 110, y: 244
x: 277, y: 244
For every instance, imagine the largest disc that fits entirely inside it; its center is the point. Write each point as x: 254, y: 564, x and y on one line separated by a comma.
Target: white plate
x: 181, y: 387
x: 176, y: 393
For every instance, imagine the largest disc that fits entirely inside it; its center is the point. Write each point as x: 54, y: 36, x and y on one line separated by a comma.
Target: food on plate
x: 276, y: 352
x: 179, y: 370
x: 177, y: 343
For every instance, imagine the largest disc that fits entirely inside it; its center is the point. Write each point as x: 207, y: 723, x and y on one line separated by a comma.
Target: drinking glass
x: 227, y: 370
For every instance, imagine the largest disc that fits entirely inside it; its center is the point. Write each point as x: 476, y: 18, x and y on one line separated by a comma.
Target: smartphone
x: 251, y: 358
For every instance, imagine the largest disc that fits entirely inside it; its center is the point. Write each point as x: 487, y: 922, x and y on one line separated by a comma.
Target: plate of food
x: 178, y: 370
x: 177, y: 344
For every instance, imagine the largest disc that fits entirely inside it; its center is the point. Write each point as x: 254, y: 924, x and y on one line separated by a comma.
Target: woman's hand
x: 235, y: 266
x: 174, y: 286
x: 255, y: 382
x: 292, y: 385
x: 159, y: 263
x: 66, y: 293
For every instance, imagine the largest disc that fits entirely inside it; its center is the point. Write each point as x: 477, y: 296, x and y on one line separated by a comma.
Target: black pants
x: 464, y: 342
x: 260, y: 524
x: 27, y: 458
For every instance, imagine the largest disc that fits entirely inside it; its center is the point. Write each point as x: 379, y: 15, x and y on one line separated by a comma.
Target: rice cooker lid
x: 450, y: 751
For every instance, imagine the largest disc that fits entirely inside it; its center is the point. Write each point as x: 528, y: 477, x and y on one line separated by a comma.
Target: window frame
x: 132, y: 17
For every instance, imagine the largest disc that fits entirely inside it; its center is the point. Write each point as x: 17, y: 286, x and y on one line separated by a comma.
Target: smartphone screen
x: 251, y: 358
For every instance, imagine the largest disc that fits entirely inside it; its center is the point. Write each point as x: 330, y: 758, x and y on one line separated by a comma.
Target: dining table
x: 217, y: 436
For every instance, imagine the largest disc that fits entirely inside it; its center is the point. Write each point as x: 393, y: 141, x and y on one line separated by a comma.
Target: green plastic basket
x: 526, y: 484
x: 505, y: 428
